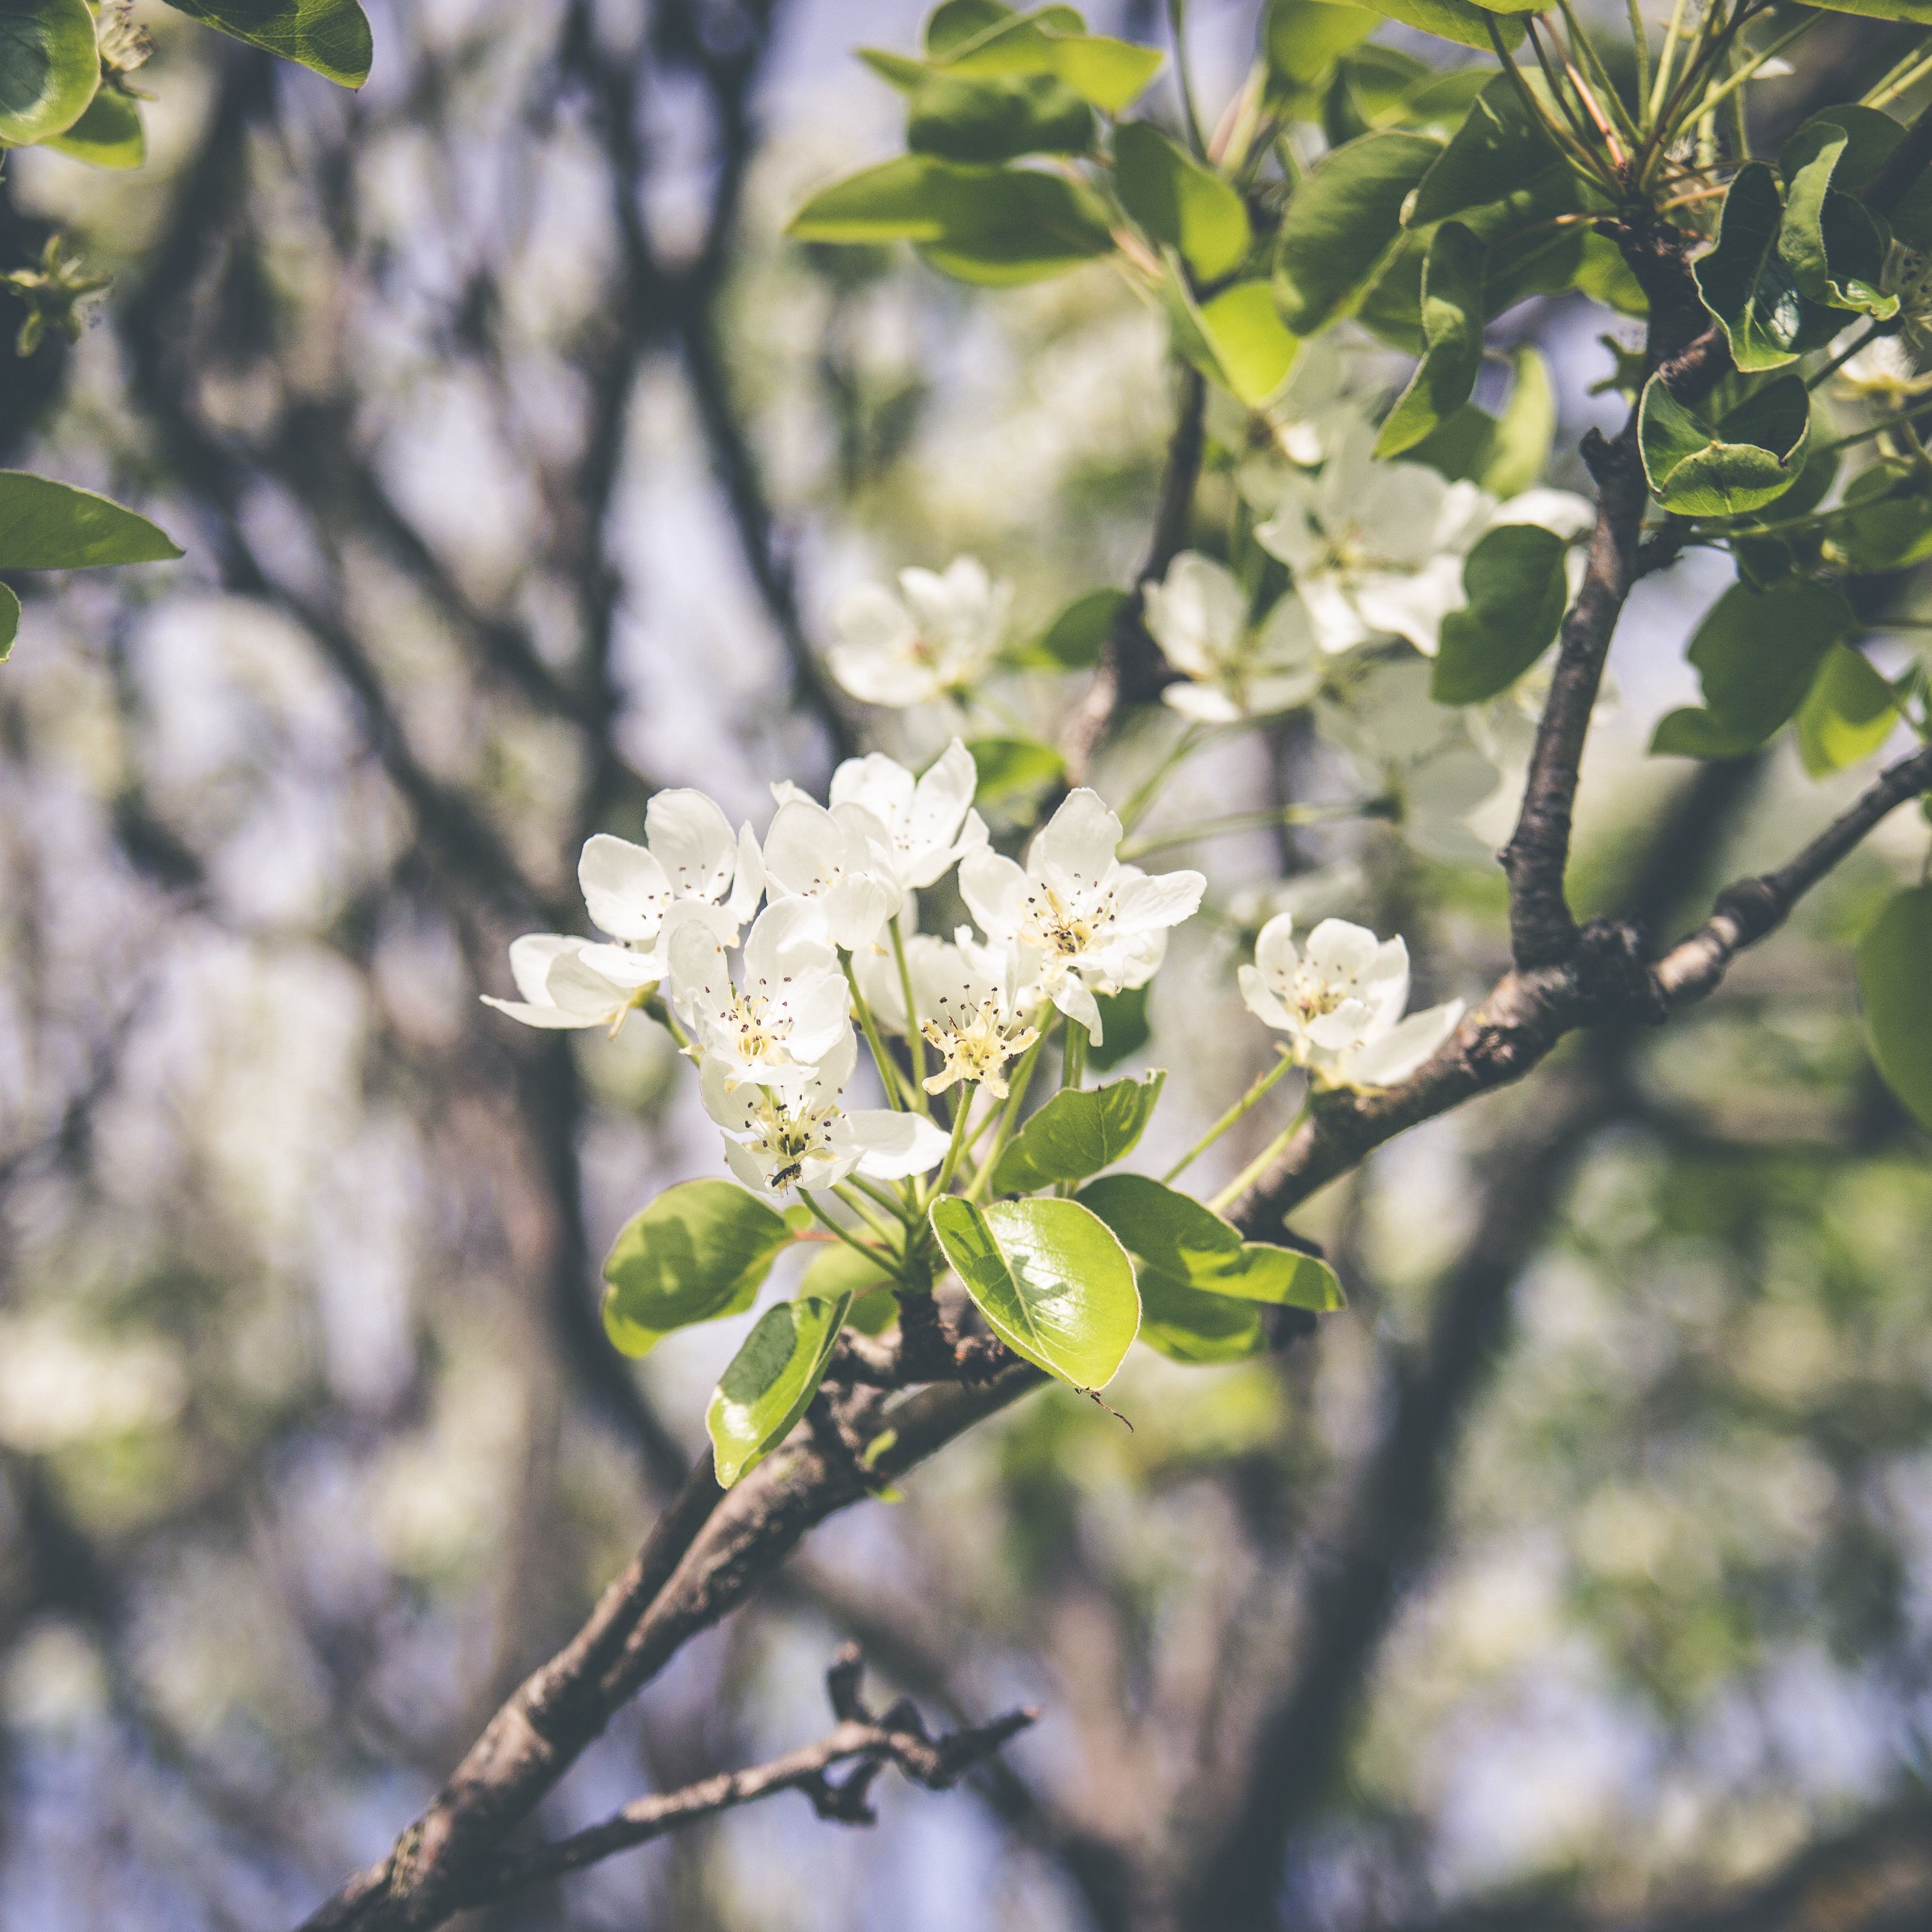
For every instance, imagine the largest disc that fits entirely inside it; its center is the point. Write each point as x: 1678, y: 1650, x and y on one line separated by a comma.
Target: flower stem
x: 888, y: 1072
x: 1876, y: 429
x: 1844, y: 355
x: 954, y: 1148
x: 1144, y: 793
x: 845, y: 1234
x: 1228, y: 1120
x: 1252, y: 821
x: 1260, y: 1165
x: 1183, y: 74
x: 1073, y: 1055
x: 856, y: 1202
x: 1009, y: 1116
x: 915, y: 1041
x: 654, y: 1008
x: 891, y: 1203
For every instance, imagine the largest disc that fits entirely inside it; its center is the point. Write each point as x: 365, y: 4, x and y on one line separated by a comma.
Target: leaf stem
x: 845, y: 1233
x: 1875, y: 429
x: 1252, y: 821
x: 1143, y: 794
x: 954, y: 1148
x: 1183, y: 75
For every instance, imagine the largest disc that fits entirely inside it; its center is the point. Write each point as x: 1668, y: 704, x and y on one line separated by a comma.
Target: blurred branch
x: 898, y: 1737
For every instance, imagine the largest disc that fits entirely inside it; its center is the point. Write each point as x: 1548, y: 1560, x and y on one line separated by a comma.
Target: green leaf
x: 1201, y: 1285
x: 1452, y: 332
x: 1498, y: 151
x: 1304, y: 39
x: 1749, y: 460
x: 840, y: 1269
x: 996, y: 226
x: 1894, y: 965
x: 49, y: 68
x: 1077, y: 1132
x: 1051, y: 1280
x: 1370, y: 90
x: 1181, y: 204
x: 330, y: 36
x: 997, y: 118
x: 1517, y: 590
x: 10, y: 621
x: 109, y: 135
x: 1255, y: 351
x: 1077, y: 636
x: 1526, y: 432
x: 1457, y: 20
x: 951, y: 26
x: 1756, y: 653
x: 1834, y: 248
x: 1124, y: 1022
x: 1109, y: 74
x: 48, y: 525
x: 1849, y: 712
x: 899, y: 70
x: 1013, y: 768
x: 1341, y: 224
x: 1746, y: 284
x: 1885, y: 522
x: 770, y: 1382
x: 701, y: 1250
x: 1604, y: 276
x: 1913, y: 10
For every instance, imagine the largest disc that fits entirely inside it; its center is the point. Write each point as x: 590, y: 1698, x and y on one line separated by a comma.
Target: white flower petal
x: 625, y: 889
x: 691, y: 837
x: 1076, y: 850
x: 890, y: 1146
x: 531, y: 957
x: 1397, y: 1055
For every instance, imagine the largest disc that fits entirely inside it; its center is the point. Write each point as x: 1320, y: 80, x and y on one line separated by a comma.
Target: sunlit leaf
x: 1452, y: 331
x: 770, y: 1382
x: 1847, y: 715
x: 1181, y: 204
x: 109, y: 135
x: 1077, y: 1132
x: 48, y: 525
x: 1107, y: 73
x: 330, y: 36
x: 49, y: 68
x: 1894, y: 965
x: 1746, y: 283
x: 10, y: 621
x: 701, y: 1249
x: 997, y: 118
x: 1052, y: 1282
x: 1458, y: 20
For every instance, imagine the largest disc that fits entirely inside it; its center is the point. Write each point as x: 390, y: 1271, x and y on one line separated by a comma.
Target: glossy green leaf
x: 1895, y: 967
x: 1012, y: 768
x: 49, y: 68
x: 997, y: 226
x: 1124, y: 1022
x: 1255, y: 351
x: 1452, y: 332
x: 1077, y: 1132
x: 1109, y: 73
x: 1457, y: 20
x: 1187, y: 1325
x: 330, y: 36
x: 1077, y: 636
x: 1181, y: 204
x: 1370, y: 90
x: 1181, y: 1248
x: 1498, y: 152
x: 48, y: 525
x: 1515, y: 582
x: 1833, y: 249
x: 1756, y: 652
x: 1746, y: 284
x: 701, y: 1249
x: 1438, y: 103
x: 1304, y: 39
x: 1051, y: 1280
x: 1847, y: 715
x: 1341, y: 224
x: 997, y: 118
x: 770, y: 1382
x: 1751, y: 460
x: 109, y: 135
x: 10, y: 621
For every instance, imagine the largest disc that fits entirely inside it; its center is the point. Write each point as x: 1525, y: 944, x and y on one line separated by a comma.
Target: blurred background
x: 1580, y: 1574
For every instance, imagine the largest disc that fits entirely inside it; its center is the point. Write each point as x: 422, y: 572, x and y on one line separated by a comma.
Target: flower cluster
x: 1340, y: 999
x: 770, y: 1019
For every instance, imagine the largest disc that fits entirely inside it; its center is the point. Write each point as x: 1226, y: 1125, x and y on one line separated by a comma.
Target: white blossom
x: 562, y: 985
x: 963, y: 995
x: 841, y: 861
x: 689, y: 855
x: 1377, y: 548
x: 937, y: 636
x: 1341, y: 1002
x: 803, y: 1139
x: 790, y: 1009
x: 929, y: 822
x: 1198, y: 616
x: 1076, y: 921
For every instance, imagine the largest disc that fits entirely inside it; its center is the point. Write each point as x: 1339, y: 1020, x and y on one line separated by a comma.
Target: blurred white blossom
x: 562, y: 987
x: 1198, y: 616
x: 939, y: 635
